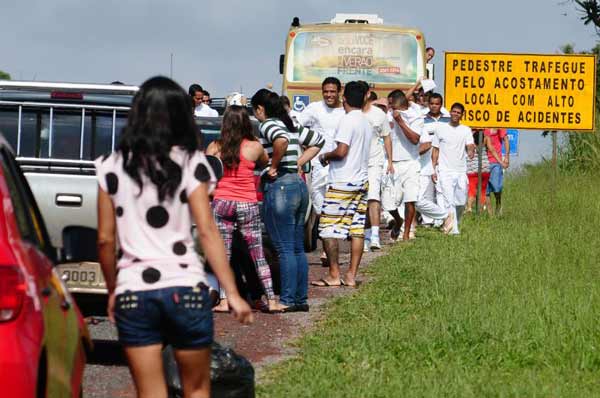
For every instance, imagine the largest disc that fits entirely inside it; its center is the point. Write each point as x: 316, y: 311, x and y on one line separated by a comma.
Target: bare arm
x: 106, y: 247
x: 107, y: 239
x: 387, y: 145
x: 435, y: 155
x: 408, y: 132
x: 279, y: 148
x: 506, y: 151
x: 339, y: 153
x: 411, y: 91
x: 471, y: 151
x: 214, y: 149
x: 424, y: 147
x: 307, y: 155
x: 214, y: 250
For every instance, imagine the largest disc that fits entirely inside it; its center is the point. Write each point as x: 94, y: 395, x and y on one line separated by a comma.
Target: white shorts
x: 407, y: 173
x: 375, y: 174
x: 318, y: 186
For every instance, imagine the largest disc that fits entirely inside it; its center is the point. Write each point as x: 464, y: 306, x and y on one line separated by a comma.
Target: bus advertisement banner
x: 523, y: 91
x: 377, y: 57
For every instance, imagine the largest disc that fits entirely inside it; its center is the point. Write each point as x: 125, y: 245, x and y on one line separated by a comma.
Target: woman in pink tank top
x: 235, y: 200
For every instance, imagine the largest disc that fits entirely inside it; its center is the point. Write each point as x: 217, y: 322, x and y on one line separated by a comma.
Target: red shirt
x: 239, y: 184
x: 497, y: 138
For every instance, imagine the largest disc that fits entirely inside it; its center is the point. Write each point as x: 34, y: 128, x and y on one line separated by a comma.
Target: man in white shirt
x: 436, y: 117
x: 345, y: 205
x: 452, y: 143
x: 206, y: 101
x: 323, y: 117
x: 200, y: 108
x: 380, y: 163
x: 408, y: 127
x: 408, y: 133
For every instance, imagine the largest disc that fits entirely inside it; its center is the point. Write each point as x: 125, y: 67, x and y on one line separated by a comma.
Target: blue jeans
x: 180, y: 316
x: 496, y: 181
x: 285, y: 205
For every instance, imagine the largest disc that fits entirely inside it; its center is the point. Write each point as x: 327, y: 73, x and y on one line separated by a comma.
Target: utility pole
x: 171, y: 70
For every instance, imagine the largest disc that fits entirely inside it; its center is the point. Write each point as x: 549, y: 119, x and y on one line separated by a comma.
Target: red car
x: 43, y: 337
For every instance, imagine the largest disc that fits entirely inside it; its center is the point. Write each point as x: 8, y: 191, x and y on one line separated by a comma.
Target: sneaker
x: 366, y: 246
x: 412, y: 235
x: 375, y: 244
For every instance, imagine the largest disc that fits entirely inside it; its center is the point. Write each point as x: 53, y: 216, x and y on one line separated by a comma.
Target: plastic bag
x: 231, y: 375
x: 390, y: 198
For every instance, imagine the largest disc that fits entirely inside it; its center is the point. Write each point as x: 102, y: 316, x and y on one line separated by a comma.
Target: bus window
x: 375, y: 56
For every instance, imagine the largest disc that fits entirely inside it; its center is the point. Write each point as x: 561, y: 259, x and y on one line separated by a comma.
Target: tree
x: 590, y: 10
x: 4, y: 75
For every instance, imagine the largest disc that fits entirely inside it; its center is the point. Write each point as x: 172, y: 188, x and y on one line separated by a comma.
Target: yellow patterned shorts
x: 344, y: 211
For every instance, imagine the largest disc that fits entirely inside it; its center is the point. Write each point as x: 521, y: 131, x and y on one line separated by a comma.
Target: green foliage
x: 510, y: 308
x: 581, y: 151
x: 4, y: 75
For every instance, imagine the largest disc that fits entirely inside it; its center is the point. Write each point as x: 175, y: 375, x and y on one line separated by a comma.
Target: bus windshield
x: 389, y: 57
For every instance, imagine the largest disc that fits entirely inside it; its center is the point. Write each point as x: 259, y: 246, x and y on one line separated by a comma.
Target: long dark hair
x: 159, y: 119
x: 236, y: 127
x: 273, y: 107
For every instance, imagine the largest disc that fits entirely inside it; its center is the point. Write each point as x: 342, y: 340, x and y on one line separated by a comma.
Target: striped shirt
x: 272, y: 129
x: 473, y: 164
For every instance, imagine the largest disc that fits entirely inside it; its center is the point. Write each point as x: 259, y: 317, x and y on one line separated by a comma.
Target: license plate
x: 82, y: 276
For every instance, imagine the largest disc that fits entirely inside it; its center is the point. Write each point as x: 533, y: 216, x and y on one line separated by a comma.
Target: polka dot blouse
x: 156, y: 249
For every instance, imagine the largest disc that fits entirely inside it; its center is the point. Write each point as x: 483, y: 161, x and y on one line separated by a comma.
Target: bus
x: 350, y: 47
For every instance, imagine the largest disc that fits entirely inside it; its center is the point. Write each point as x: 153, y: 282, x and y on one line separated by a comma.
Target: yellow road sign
x: 523, y: 91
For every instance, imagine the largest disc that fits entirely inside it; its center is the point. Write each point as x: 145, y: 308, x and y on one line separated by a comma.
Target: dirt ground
x: 264, y: 342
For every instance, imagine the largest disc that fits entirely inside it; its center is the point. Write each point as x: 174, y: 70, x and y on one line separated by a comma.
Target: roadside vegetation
x: 509, y: 308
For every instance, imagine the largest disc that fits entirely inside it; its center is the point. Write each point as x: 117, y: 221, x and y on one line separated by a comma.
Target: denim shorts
x: 496, y: 181
x: 180, y: 316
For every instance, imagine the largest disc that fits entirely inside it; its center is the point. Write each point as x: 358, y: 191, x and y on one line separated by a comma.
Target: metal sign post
x: 479, y: 167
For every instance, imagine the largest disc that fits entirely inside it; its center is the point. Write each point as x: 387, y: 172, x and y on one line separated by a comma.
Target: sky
x: 228, y: 45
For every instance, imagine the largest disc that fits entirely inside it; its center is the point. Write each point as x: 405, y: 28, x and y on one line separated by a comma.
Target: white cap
x: 237, y: 99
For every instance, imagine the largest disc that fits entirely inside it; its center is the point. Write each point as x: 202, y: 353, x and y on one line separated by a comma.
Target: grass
x: 509, y: 308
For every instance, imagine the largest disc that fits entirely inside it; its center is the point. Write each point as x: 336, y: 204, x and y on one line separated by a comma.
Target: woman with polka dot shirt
x: 150, y: 191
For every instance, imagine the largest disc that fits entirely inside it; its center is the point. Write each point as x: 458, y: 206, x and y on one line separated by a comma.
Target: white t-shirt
x: 381, y: 128
x: 323, y: 120
x: 452, y: 143
x: 355, y: 131
x: 430, y: 126
x: 402, y: 148
x: 204, y: 110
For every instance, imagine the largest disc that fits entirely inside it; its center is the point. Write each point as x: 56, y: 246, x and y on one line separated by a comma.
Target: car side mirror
x: 216, y: 165
x: 79, y: 244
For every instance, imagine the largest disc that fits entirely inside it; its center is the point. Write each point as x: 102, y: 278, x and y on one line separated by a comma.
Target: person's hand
x: 110, y: 307
x: 240, y: 309
x: 434, y: 178
x: 272, y: 173
x: 390, y: 168
x: 505, y: 162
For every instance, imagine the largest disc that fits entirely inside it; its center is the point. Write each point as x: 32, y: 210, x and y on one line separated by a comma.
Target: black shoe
x: 291, y: 308
x: 302, y: 307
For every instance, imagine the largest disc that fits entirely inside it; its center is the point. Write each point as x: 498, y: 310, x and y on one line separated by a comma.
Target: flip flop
x: 353, y: 286
x: 324, y: 283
